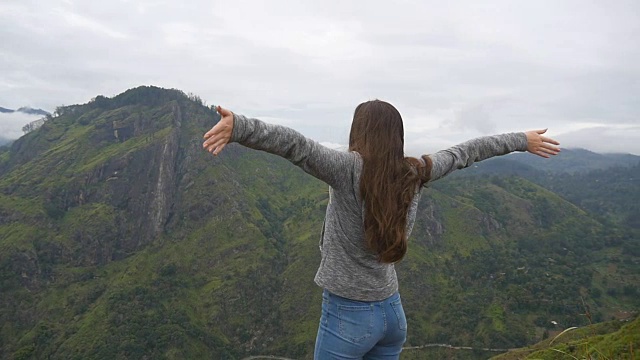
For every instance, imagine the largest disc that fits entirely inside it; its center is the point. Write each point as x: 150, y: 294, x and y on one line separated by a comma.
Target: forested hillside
x: 121, y: 238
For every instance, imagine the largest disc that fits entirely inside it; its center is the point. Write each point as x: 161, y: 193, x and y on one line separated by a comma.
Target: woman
x: 373, y: 196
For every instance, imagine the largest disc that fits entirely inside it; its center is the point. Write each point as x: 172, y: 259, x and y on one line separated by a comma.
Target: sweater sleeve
x: 331, y: 166
x: 463, y: 155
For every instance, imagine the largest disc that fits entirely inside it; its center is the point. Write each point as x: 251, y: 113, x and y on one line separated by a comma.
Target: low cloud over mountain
x: 12, y: 121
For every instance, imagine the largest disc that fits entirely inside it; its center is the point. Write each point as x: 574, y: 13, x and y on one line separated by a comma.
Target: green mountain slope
x: 571, y: 161
x: 608, y: 340
x: 121, y: 238
x: 611, y: 193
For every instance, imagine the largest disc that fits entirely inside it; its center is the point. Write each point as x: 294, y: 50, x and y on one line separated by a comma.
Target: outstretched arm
x: 331, y: 166
x: 463, y: 155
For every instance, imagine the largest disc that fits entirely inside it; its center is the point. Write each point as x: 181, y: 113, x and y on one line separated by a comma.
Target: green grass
x: 20, y: 206
x: 17, y: 237
x: 115, y: 150
x: 609, y: 340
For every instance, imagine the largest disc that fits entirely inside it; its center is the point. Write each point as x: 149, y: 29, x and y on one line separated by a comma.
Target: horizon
x: 454, y: 70
x: 13, y: 131
x: 342, y: 146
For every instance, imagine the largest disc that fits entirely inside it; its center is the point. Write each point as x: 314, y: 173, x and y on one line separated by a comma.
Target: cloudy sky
x: 455, y: 70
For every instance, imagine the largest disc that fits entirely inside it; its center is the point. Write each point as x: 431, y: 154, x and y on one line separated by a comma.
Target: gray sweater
x: 348, y: 268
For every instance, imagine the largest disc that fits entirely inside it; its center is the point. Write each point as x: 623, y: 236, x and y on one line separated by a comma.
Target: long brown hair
x: 389, y: 179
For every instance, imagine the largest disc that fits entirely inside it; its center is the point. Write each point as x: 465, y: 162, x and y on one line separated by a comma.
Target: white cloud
x: 335, y: 146
x: 11, y: 124
x: 603, y: 138
x: 81, y: 23
x: 453, y: 69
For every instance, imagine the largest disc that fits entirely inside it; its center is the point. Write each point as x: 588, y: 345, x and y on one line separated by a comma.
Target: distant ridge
x: 574, y: 160
x: 26, y: 110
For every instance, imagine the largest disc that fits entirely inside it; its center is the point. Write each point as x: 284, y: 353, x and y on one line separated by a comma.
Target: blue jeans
x: 368, y: 330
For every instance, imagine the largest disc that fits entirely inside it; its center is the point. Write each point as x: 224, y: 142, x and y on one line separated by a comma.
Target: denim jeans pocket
x: 402, y: 320
x: 356, y: 322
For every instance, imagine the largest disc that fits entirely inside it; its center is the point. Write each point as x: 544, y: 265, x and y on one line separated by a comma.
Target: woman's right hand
x: 219, y: 135
x: 541, y: 145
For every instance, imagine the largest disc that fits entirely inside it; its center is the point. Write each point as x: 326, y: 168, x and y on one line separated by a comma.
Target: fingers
x: 217, y: 129
x: 225, y: 123
x: 210, y: 141
x: 220, y: 134
x: 216, y: 148
x: 550, y: 145
x: 214, y: 130
x: 550, y: 149
x: 541, y: 145
x: 223, y: 112
x: 213, y: 149
x: 545, y: 150
x: 549, y: 140
x: 214, y: 141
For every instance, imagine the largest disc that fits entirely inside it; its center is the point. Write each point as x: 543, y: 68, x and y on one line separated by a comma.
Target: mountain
x: 605, y: 185
x: 5, y: 141
x: 577, y: 160
x: 31, y: 111
x: 121, y: 238
x: 572, y: 161
x: 26, y: 110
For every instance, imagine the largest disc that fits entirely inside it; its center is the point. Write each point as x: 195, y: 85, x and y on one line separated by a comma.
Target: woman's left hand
x: 541, y: 145
x: 219, y: 135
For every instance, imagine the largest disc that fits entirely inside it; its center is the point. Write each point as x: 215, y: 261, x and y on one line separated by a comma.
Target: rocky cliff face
x: 94, y: 185
x: 117, y: 167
